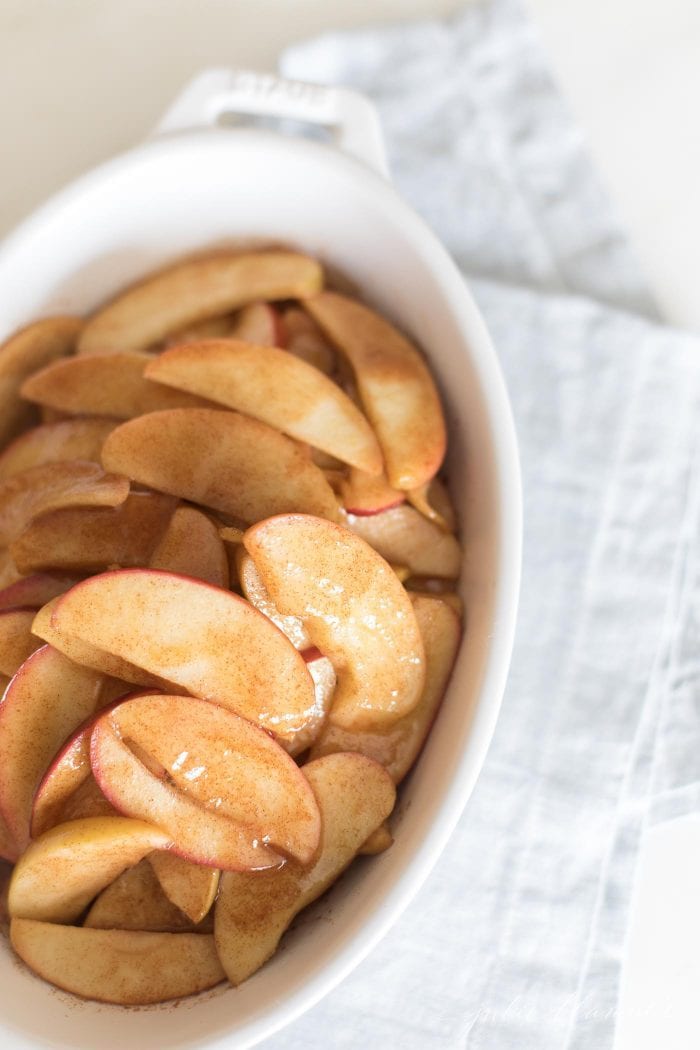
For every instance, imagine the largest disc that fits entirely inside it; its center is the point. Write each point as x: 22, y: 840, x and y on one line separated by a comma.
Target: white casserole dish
x: 198, y: 184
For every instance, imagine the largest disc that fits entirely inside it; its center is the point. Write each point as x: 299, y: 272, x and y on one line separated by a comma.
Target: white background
x: 82, y: 79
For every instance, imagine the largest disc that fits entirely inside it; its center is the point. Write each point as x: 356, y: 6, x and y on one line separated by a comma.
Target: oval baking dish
x: 202, y: 182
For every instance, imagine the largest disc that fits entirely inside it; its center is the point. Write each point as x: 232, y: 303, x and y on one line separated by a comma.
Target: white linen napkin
x: 515, y: 941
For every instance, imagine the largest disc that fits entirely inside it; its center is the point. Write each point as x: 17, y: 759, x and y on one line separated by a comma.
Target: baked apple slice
x: 379, y: 841
x: 362, y: 494
x: 69, y: 770
x: 127, y: 967
x: 259, y: 323
x: 217, y: 810
x: 31, y: 592
x: 203, y: 836
x: 323, y: 674
x: 87, y: 801
x: 55, y: 442
x: 52, y: 486
x: 191, y: 545
x: 17, y: 642
x: 44, y: 703
x: 257, y: 594
x: 277, y: 388
x: 87, y: 655
x: 195, y: 290
x: 252, y: 912
x: 306, y: 340
x: 135, y: 901
x: 103, y: 385
x: 232, y: 463
x: 395, y: 386
x: 434, y: 503
x: 60, y: 873
x: 203, y: 639
x: 190, y: 887
x: 22, y: 354
x: 397, y: 747
x: 212, y: 328
x: 91, y: 539
x: 405, y: 537
x: 354, y: 610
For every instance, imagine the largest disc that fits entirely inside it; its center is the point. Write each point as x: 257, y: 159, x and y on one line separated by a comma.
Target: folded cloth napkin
x: 515, y: 941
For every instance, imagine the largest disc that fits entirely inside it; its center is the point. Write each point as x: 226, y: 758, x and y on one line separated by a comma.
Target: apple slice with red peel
x: 54, y: 442
x: 218, y: 811
x: 87, y: 655
x: 378, y: 841
x: 434, y: 503
x: 395, y: 386
x: 191, y: 545
x: 70, y: 769
x: 135, y: 901
x: 32, y: 592
x: 251, y: 913
x: 52, y: 486
x: 195, y: 290
x: 44, y: 703
x: 91, y: 539
x: 259, y: 323
x: 191, y: 888
x: 60, y: 873
x: 22, y: 354
x: 103, y: 385
x: 306, y: 340
x: 404, y: 537
x: 205, y: 640
x: 397, y: 747
x: 232, y: 463
x: 362, y: 494
x: 354, y: 610
x: 203, y: 836
x: 127, y: 967
x: 17, y: 642
x: 257, y: 594
x: 277, y: 388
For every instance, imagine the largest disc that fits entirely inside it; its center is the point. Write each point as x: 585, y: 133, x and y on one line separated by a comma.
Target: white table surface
x: 82, y: 79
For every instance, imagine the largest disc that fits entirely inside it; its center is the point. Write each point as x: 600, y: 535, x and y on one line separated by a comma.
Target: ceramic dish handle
x: 349, y: 116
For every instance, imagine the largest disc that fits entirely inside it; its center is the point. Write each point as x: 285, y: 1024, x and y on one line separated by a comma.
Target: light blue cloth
x: 515, y: 941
